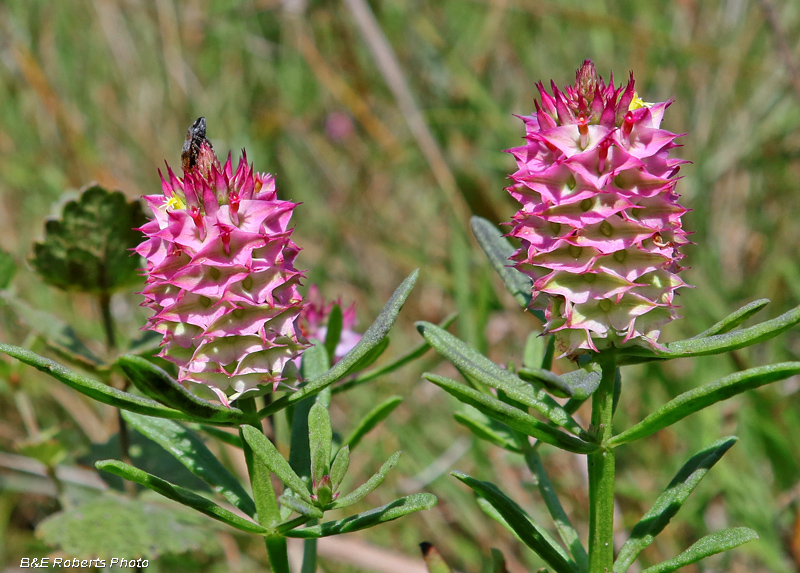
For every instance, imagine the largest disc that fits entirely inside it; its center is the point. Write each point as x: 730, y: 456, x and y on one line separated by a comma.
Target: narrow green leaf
x: 372, y: 419
x: 60, y: 337
x: 315, y: 361
x: 298, y: 505
x: 92, y: 388
x: 194, y: 455
x: 433, y: 559
x: 704, y: 396
x: 217, y: 434
x: 560, y: 518
x: 534, y: 350
x: 370, y: 357
x: 339, y: 467
x: 372, y: 338
x: 334, y: 332
x: 531, y: 535
x: 714, y: 344
x: 395, y: 364
x: 485, y: 431
x: 498, y: 561
x: 373, y: 482
x: 670, y: 501
x: 156, y: 383
x: 498, y: 250
x: 554, y: 384
x: 513, y: 417
x: 320, y: 436
x: 734, y: 319
x: 181, y: 495
x: 473, y: 363
x: 269, y: 455
x: 708, y: 545
x: 583, y: 381
x: 7, y: 269
x: 390, y: 511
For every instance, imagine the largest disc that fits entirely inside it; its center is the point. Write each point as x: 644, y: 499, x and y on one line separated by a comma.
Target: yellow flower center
x: 637, y: 102
x: 174, y: 202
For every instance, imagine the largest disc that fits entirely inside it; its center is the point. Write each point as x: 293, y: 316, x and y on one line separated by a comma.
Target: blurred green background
x: 388, y: 120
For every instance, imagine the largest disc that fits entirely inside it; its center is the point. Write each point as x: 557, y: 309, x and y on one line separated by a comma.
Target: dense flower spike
x: 600, y: 224
x: 220, y: 274
x: 314, y: 322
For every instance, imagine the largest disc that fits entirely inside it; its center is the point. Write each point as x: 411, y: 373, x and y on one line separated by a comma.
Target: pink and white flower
x: 600, y: 223
x: 221, y: 279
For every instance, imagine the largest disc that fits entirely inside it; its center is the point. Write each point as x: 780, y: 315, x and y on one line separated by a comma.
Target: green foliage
x: 190, y: 450
x: 358, y: 357
x: 371, y: 420
x: 669, y: 502
x: 92, y: 388
x: 434, y: 560
x: 708, y: 545
x: 528, y: 532
x: 159, y: 385
x: 372, y: 208
x: 7, y: 269
x: 512, y: 416
x: 181, y: 495
x: 704, y: 396
x: 114, y: 526
x: 88, y: 248
x: 389, y: 512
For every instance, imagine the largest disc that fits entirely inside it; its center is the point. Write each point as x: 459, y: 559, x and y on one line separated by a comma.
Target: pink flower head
x: 220, y: 274
x: 600, y: 224
x: 314, y: 322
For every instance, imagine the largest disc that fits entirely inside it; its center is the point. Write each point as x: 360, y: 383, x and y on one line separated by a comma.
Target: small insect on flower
x: 221, y: 279
x: 195, y: 138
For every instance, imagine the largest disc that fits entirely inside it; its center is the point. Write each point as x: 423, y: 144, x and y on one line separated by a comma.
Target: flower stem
x: 268, y: 512
x: 601, y: 472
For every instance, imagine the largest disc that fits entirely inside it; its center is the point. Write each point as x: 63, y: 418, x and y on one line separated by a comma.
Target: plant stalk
x: 268, y: 512
x: 601, y: 472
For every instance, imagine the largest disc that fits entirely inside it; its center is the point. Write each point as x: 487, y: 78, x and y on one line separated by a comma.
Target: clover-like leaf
x: 372, y: 419
x: 670, y: 501
x: 704, y: 396
x: 181, y: 495
x: 734, y: 319
x: 708, y: 545
x: 726, y: 341
x: 92, y: 388
x: 88, y: 248
x: 354, y: 359
x: 320, y: 436
x: 159, y: 385
x: 268, y: 454
x: 512, y: 416
x: 370, y: 485
x: 390, y: 511
x: 530, y: 534
x: 190, y: 450
x: 498, y: 250
x: 472, y: 363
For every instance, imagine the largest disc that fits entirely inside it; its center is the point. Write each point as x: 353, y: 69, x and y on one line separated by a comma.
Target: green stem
x: 601, y: 473
x: 108, y: 320
x: 268, y: 512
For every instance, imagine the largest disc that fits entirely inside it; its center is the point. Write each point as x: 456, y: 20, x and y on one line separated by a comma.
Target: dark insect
x: 194, y: 140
